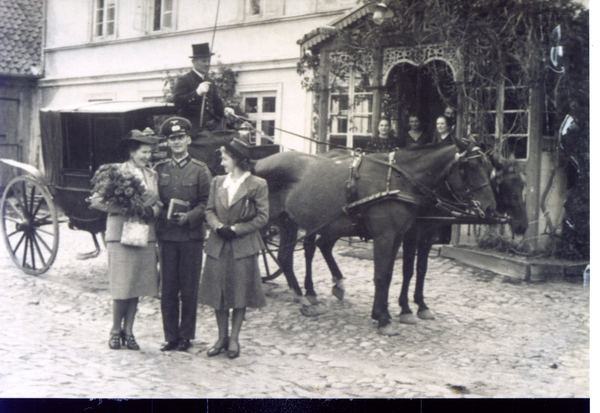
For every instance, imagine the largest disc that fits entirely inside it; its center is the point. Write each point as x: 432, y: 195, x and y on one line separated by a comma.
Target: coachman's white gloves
x: 203, y: 88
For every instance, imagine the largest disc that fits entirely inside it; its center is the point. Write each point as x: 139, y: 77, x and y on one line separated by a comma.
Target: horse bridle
x: 500, y: 177
x: 460, y: 159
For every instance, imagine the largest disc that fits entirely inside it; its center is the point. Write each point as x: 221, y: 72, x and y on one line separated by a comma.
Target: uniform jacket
x: 248, y: 241
x: 189, y: 182
x: 189, y: 104
x: 115, y: 220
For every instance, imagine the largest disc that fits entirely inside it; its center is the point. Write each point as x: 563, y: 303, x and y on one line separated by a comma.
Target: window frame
x: 351, y: 113
x: 264, y: 90
x: 259, y: 116
x: 105, y: 22
x: 248, y: 7
x: 151, y: 17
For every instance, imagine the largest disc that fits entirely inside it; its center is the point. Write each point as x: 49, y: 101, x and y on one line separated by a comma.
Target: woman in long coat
x: 238, y: 207
x: 132, y: 270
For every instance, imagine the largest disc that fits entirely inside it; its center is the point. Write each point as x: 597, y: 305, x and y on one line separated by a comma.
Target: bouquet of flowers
x: 120, y: 189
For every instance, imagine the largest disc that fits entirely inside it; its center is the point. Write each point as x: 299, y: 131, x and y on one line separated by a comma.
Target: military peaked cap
x: 175, y: 126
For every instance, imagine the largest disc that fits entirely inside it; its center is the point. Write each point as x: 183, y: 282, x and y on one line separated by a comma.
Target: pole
x: 212, y: 42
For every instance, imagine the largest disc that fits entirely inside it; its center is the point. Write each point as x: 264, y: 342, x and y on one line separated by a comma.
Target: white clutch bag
x: 135, y: 233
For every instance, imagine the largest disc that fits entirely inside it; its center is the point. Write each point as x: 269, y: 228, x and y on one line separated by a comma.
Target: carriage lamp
x: 381, y: 13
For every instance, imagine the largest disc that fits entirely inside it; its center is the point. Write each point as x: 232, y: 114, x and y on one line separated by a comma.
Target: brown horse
x: 508, y: 186
x: 309, y: 191
x: 508, y: 189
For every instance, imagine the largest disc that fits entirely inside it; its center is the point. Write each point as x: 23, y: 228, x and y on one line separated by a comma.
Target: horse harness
x: 355, y: 207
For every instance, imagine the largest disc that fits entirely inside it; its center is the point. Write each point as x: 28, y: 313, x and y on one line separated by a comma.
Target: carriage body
x: 76, y: 142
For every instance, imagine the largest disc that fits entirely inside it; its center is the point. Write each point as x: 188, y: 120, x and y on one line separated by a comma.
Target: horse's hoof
x: 408, y: 318
x: 313, y: 310
x: 426, y: 315
x: 337, y: 292
x: 388, y: 330
x: 312, y: 299
x: 304, y: 301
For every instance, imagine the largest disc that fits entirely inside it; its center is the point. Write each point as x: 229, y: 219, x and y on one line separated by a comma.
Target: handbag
x: 248, y: 210
x: 135, y: 233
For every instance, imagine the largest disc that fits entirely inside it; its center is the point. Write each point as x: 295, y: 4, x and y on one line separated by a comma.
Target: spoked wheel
x: 30, y: 225
x: 269, y: 262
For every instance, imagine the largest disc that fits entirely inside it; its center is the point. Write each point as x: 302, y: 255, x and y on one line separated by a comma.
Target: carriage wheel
x: 29, y: 225
x: 269, y: 262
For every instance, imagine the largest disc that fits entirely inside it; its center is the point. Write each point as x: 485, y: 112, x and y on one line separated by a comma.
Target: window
x: 162, y: 16
x: 508, y: 122
x: 104, y: 18
x: 253, y: 7
x: 350, y: 112
x: 262, y: 109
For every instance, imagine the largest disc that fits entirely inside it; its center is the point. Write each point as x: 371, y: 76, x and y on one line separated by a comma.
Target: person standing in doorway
x: 195, y: 95
x: 183, y: 185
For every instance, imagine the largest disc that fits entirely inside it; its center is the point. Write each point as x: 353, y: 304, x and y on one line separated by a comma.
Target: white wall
x: 134, y: 64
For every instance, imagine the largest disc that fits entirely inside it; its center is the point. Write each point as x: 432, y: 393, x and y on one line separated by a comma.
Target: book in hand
x: 177, y: 205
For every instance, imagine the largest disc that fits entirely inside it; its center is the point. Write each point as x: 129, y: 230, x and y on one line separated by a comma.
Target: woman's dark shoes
x: 115, y: 341
x: 233, y: 353
x: 170, y: 346
x: 183, y: 344
x: 129, y: 341
x: 216, y: 350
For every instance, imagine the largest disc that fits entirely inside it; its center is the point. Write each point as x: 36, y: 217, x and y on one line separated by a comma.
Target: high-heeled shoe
x: 129, y: 341
x: 215, y: 351
x: 233, y: 353
x: 115, y: 341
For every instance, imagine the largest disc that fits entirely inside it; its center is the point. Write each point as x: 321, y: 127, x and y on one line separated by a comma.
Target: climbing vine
x: 505, y: 49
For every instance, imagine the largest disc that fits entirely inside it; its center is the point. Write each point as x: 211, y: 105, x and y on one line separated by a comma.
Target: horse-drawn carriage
x: 75, y: 142
x: 328, y: 196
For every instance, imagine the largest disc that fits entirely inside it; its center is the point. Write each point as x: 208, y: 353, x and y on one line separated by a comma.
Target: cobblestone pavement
x: 490, y: 338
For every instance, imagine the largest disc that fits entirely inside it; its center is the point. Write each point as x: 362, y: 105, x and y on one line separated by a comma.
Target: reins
x: 452, y: 208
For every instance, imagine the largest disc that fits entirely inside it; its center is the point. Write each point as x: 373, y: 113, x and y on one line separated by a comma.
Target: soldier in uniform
x: 182, y: 236
x: 194, y: 89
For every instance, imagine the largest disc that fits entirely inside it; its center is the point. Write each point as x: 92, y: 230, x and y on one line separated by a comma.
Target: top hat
x: 136, y: 135
x: 175, y: 126
x: 201, y: 50
x: 239, y: 148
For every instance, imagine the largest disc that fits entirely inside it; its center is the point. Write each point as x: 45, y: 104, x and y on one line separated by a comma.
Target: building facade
x: 118, y: 50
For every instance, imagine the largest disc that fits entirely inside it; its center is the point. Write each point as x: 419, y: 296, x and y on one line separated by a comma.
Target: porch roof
x: 320, y: 34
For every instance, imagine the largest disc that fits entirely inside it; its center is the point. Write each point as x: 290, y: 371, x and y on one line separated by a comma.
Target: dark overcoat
x: 189, y: 104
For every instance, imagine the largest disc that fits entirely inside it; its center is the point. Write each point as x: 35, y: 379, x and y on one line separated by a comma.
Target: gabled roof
x: 320, y: 34
x: 21, y: 23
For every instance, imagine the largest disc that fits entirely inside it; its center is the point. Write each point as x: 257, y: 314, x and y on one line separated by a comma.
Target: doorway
x: 422, y: 90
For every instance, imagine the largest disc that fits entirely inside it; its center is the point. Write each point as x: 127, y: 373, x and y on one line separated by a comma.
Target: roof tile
x: 20, y: 35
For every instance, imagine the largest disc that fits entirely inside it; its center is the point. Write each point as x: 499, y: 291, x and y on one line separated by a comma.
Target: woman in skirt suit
x: 132, y: 270
x: 231, y: 277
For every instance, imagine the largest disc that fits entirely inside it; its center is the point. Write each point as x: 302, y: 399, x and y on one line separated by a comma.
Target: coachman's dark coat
x: 189, y: 104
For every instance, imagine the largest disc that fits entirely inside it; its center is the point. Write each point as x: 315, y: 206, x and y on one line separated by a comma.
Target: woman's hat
x: 146, y: 137
x: 239, y: 148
